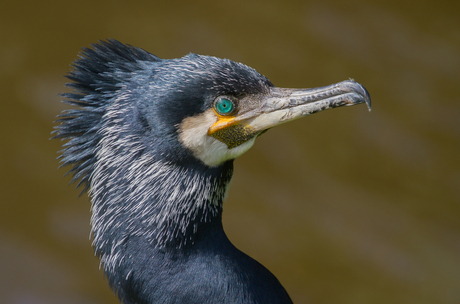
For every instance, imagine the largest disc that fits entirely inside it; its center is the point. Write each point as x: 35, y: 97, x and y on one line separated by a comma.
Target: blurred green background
x: 345, y: 206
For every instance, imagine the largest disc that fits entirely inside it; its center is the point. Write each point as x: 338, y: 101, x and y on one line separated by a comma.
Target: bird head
x: 194, y: 108
x: 215, y: 108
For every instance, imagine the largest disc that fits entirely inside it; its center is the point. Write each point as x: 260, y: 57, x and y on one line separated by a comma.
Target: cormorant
x: 154, y: 142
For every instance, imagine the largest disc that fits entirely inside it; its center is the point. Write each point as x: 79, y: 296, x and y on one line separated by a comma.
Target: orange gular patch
x: 222, y: 123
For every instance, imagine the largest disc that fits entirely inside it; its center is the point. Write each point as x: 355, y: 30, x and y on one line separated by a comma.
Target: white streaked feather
x: 138, y: 198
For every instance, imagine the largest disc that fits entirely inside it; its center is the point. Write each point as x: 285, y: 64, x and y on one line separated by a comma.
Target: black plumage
x: 147, y: 139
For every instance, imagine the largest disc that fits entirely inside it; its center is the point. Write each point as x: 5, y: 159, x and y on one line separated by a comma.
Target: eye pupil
x: 224, y: 106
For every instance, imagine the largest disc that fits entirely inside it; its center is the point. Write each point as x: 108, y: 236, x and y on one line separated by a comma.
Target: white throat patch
x: 193, y: 134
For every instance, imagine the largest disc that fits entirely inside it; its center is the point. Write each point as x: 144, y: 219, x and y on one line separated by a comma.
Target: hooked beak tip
x: 367, y: 97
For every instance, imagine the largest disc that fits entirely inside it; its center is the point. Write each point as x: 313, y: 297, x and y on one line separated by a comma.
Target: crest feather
x: 97, y: 76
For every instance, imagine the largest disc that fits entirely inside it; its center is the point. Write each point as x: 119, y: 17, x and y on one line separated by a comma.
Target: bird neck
x: 168, y: 204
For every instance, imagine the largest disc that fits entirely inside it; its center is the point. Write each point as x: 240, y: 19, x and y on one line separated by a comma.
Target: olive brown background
x: 345, y: 206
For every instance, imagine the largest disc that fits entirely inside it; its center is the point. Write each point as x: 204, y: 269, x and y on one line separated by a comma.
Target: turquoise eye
x: 224, y: 106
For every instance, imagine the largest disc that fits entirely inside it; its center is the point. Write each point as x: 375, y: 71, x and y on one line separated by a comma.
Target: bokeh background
x: 345, y: 206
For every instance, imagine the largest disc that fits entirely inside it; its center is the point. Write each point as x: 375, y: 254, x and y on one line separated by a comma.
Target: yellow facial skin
x: 221, y: 123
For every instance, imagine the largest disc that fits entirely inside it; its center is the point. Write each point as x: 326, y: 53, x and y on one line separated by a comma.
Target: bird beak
x: 283, y: 105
